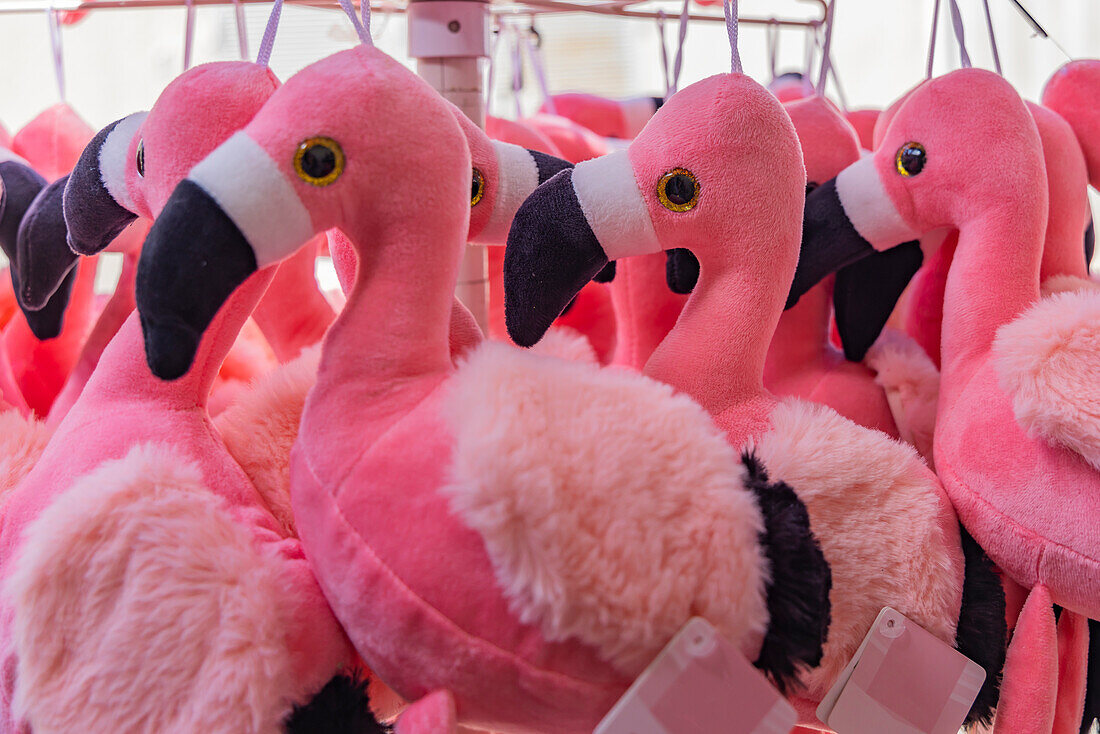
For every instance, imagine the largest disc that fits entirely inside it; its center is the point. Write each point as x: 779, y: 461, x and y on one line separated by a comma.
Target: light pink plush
x: 863, y: 121
x: 646, y: 309
x: 912, y: 385
x: 1031, y: 670
x: 575, y: 141
x: 415, y: 586
x: 1072, y: 93
x: 609, y: 118
x: 1043, y: 538
x: 801, y: 362
x: 123, y: 406
x: 22, y: 441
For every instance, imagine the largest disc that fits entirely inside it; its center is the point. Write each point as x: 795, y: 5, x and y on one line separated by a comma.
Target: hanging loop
x: 932, y: 40
x: 533, y: 46
x: 362, y: 27
x: 771, y: 41
x: 826, y: 60
x: 992, y: 39
x: 242, y: 30
x: 53, y: 18
x: 729, y: 8
x: 188, y: 34
x: 263, y: 58
x: 960, y: 36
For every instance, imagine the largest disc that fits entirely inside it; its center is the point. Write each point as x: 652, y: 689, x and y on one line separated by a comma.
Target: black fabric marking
x: 866, y: 292
x: 193, y: 259
x: 548, y: 166
x: 21, y: 185
x: 829, y: 241
x: 798, y: 593
x: 92, y: 215
x: 43, y: 256
x: 341, y: 707
x: 681, y: 270
x: 1090, y: 242
x: 552, y: 253
x: 607, y: 274
x: 982, y: 633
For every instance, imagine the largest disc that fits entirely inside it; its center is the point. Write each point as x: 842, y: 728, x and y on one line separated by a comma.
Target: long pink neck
x: 994, y: 277
x: 294, y: 314
x: 716, y: 351
x: 124, y: 374
x: 389, y: 347
x: 111, y: 319
x: 802, y: 335
x: 645, y: 309
x: 1064, y: 249
x: 924, y: 307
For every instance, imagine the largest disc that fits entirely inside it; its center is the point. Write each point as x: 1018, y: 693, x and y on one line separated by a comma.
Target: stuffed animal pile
x: 231, y: 502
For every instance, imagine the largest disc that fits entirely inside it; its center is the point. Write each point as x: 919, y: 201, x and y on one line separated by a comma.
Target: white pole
x: 449, y: 38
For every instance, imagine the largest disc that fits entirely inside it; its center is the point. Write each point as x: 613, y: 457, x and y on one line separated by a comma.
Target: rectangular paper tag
x: 903, y: 680
x: 702, y: 684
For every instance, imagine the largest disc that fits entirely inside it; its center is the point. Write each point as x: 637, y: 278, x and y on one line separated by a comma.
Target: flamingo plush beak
x: 97, y: 204
x: 852, y: 228
x: 566, y: 232
x: 43, y: 258
x: 1090, y: 242
x: 21, y: 187
x: 233, y: 214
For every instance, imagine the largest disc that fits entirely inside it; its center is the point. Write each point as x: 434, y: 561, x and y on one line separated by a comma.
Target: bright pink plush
x: 863, y: 121
x: 575, y: 142
x: 609, y: 118
x: 801, y: 362
x: 646, y: 309
x: 1072, y: 93
x: 122, y: 408
x: 422, y: 490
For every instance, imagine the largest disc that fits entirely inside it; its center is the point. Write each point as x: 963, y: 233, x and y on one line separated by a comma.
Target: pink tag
x: 702, y: 684
x: 903, y: 680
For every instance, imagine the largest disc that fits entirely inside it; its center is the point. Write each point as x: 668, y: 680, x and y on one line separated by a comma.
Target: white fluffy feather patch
x: 612, y: 509
x: 881, y: 518
x: 1048, y: 361
x: 1065, y: 284
x: 22, y: 441
x: 564, y: 342
x: 139, y: 605
x: 912, y: 385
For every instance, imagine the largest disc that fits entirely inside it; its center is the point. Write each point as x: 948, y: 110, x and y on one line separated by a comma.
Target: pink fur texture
x: 1045, y: 364
x: 566, y: 343
x: 912, y: 385
x: 872, y: 505
x: 260, y: 428
x: 140, y: 549
x: 577, y: 558
x: 22, y: 441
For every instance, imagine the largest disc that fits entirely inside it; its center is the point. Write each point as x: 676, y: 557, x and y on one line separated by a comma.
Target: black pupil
x: 141, y: 158
x: 680, y: 189
x: 475, y: 186
x: 318, y: 161
x: 810, y: 186
x: 912, y: 159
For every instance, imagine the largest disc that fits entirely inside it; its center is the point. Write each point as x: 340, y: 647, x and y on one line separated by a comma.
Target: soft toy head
x: 575, y: 142
x: 608, y: 118
x: 863, y: 121
x: 355, y: 141
x: 131, y: 166
x: 1073, y: 92
x: 53, y: 140
x: 790, y: 86
x: 829, y: 142
x: 961, y: 150
x: 719, y: 157
x: 518, y: 133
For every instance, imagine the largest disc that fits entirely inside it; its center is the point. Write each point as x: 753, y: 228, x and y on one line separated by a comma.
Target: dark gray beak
x: 1090, y: 242
x: 43, y: 258
x: 552, y: 253
x: 22, y: 187
x: 869, y: 282
x: 92, y: 215
x: 193, y: 259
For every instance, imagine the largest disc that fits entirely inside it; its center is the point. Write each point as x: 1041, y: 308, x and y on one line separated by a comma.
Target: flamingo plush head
x: 961, y: 149
x: 1072, y: 93
x: 721, y: 153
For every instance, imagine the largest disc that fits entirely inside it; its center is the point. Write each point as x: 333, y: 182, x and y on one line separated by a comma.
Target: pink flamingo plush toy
x: 1016, y: 453
x: 718, y: 171
x: 422, y: 491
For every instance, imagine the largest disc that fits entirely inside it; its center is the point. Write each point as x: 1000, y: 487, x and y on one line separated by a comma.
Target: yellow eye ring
x: 911, y: 159
x: 319, y: 161
x: 140, y: 158
x: 678, y: 190
x: 477, y: 188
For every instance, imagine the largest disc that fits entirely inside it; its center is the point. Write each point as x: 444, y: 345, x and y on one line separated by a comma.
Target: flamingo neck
x: 924, y: 307
x: 716, y: 351
x: 1063, y: 251
x: 645, y: 308
x: 802, y: 335
x: 993, y: 278
x: 124, y: 373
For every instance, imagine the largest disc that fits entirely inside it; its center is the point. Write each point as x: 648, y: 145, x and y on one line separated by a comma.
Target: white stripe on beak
x: 614, y: 207
x: 869, y: 208
x: 114, y: 159
x: 518, y: 177
x: 254, y: 193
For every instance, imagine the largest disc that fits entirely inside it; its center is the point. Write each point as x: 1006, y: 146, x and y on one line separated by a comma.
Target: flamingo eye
x: 678, y: 190
x: 140, y: 162
x: 477, y: 188
x: 319, y: 161
x: 911, y: 159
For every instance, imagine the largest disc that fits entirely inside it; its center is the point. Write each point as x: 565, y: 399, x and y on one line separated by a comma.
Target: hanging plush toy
x: 863, y: 121
x: 608, y: 118
x: 403, y: 458
x: 1072, y: 93
x: 1017, y: 457
x: 718, y: 171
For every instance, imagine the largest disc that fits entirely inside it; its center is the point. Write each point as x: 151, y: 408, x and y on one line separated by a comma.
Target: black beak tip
x: 169, y: 350
x: 44, y: 329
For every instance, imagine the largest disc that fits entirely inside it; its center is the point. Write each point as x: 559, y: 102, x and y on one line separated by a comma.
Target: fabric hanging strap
x: 491, y: 74
x: 54, y: 20
x: 664, y: 51
x: 992, y: 39
x: 960, y: 36
x: 362, y: 27
x: 188, y: 34
x: 826, y: 60
x: 263, y: 58
x: 534, y: 54
x: 674, y: 77
x: 771, y: 40
x: 932, y: 40
x: 517, y: 71
x: 729, y: 7
x: 242, y: 30
x: 812, y: 41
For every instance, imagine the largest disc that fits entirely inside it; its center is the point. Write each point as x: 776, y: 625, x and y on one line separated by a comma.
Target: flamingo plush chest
x: 404, y: 466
